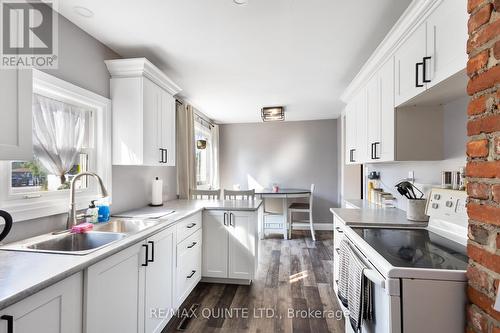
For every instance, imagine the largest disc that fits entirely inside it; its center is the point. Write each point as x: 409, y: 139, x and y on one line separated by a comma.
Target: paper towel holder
x: 151, y: 204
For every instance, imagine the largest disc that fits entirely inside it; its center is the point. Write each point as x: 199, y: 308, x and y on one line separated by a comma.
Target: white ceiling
x: 232, y: 60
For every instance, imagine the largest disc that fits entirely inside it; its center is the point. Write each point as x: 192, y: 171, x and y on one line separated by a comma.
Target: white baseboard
x: 317, y: 226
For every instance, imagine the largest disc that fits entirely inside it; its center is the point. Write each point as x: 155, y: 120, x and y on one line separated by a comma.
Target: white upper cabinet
x: 385, y: 150
x: 446, y: 40
x: 143, y: 113
x: 409, y: 60
x: 373, y: 116
x: 16, y: 89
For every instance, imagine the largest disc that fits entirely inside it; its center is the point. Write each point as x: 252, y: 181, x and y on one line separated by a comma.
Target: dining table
x: 284, y: 194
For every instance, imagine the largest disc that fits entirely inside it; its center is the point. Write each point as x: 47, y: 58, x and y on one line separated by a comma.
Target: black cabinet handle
x: 337, y: 250
x: 225, y: 219
x: 375, y: 155
x: 147, y: 254
x: 10, y: 323
x: 351, y: 155
x: 152, y: 251
x: 425, y: 69
x: 417, y: 83
x: 339, y: 230
x: 231, y: 223
x: 165, y: 152
x: 372, y: 152
x: 191, y: 225
x: 192, y: 245
x: 191, y: 275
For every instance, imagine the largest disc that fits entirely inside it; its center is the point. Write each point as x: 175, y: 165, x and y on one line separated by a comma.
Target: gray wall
x: 292, y: 154
x: 429, y: 173
x: 81, y: 62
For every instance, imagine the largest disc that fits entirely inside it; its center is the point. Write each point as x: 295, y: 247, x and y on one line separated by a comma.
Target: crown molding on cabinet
x: 414, y: 15
x: 135, y: 67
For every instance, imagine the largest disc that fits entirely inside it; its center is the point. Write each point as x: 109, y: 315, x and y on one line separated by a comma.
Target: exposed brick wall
x: 483, y: 166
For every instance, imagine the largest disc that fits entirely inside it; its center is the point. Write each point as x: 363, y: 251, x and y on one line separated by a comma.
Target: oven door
x: 386, y: 301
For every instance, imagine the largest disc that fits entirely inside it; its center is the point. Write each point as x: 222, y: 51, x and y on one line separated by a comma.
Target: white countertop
x: 24, y: 273
x: 374, y: 216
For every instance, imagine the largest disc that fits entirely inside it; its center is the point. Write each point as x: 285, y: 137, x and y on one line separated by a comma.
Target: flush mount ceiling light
x: 273, y: 113
x: 240, y: 2
x: 83, y: 11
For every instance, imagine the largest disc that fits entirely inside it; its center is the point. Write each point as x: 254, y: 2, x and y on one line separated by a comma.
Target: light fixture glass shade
x: 273, y: 113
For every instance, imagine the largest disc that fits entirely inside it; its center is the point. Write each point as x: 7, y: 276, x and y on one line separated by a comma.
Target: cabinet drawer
x: 188, y: 226
x: 188, y: 265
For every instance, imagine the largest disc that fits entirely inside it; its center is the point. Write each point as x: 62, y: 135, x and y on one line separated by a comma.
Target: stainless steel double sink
x: 103, y: 235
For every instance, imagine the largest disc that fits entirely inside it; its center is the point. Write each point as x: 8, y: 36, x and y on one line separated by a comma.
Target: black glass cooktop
x: 415, y: 248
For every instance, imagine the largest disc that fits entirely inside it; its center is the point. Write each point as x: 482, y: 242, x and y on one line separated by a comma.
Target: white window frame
x: 26, y: 206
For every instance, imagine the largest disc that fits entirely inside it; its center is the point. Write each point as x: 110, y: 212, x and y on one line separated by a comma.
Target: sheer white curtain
x: 186, y: 172
x: 214, y: 160
x: 58, y: 134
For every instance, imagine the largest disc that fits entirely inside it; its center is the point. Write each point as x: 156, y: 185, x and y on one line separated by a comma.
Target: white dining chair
x: 302, y: 207
x: 202, y: 194
x: 239, y: 194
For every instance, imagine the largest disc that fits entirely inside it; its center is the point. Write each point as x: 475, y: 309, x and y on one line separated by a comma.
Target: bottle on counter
x: 92, y: 213
x: 104, y: 212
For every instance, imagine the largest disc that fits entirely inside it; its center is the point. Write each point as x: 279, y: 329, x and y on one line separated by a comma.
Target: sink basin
x: 77, y: 242
x: 125, y: 226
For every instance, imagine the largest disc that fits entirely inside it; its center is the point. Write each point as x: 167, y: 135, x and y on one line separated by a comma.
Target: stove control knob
x: 449, y: 204
x: 435, y: 205
x: 437, y: 196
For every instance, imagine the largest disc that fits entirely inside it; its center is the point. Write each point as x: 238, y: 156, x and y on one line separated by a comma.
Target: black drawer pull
x: 191, y: 225
x: 339, y: 230
x: 192, y: 245
x: 191, y: 275
x: 147, y: 254
x: 425, y: 69
x: 338, y: 251
x: 152, y: 251
x: 417, y: 82
x: 10, y: 323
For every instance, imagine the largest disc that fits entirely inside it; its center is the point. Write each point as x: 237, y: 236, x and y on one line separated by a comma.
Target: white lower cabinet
x: 229, y: 244
x: 132, y: 291
x: 115, y: 293
x: 56, y: 309
x: 188, y: 266
x: 159, y: 294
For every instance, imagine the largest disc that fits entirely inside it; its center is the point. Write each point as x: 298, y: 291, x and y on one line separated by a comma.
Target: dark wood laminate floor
x: 292, y: 292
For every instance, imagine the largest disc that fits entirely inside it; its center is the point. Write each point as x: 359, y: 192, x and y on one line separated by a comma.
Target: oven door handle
x: 374, y: 277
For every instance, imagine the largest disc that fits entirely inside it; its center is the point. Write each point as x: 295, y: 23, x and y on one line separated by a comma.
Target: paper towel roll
x: 157, y: 193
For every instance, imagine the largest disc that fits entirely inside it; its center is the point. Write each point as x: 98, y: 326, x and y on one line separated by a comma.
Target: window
x: 63, y: 147
x: 71, y: 134
x: 203, y: 151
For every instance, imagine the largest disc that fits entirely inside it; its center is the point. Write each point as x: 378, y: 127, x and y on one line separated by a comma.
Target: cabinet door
x: 153, y: 155
x: 159, y: 296
x: 384, y: 151
x: 168, y: 127
x: 115, y: 293
x: 446, y: 40
x: 361, y: 128
x: 373, y: 116
x: 56, y: 309
x: 242, y: 238
x: 16, y: 89
x: 215, y: 245
x: 350, y: 133
x: 409, y: 77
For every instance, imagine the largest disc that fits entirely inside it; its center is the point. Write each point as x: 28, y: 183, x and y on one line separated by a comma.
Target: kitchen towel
x: 359, y: 292
x: 343, y: 254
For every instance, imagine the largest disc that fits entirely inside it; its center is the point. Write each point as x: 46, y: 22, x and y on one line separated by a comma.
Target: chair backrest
x: 239, y: 195
x: 204, y: 194
x: 311, y: 196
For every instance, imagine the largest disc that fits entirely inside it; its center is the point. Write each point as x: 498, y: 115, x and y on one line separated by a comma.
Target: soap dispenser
x: 92, y: 213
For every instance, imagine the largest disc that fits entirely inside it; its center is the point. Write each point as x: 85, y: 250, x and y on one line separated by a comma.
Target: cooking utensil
x: 407, y: 190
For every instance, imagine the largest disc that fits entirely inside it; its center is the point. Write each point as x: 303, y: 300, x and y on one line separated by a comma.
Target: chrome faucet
x: 72, y: 218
